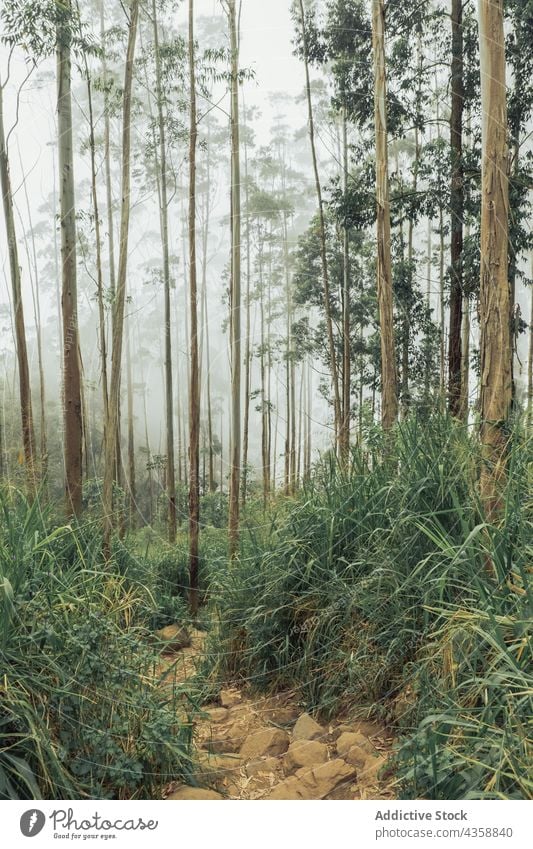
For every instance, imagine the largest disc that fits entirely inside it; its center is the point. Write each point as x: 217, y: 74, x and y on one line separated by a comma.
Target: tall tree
x: 494, y: 296
x: 169, y: 402
x: 118, y: 323
x: 194, y: 394
x: 322, y: 227
x: 28, y: 436
x: 389, y: 392
x: 235, y: 289
x: 457, y: 211
x: 72, y: 401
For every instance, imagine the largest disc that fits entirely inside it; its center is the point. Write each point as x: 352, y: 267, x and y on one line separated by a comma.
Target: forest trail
x: 267, y: 747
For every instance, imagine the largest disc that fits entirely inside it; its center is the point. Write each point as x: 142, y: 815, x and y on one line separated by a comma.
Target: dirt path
x: 269, y: 748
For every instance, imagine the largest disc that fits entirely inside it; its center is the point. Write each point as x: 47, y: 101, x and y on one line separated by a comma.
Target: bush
x: 375, y: 591
x: 79, y: 713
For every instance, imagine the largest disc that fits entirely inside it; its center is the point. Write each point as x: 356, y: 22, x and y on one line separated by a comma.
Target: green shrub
x: 80, y: 714
x: 353, y: 594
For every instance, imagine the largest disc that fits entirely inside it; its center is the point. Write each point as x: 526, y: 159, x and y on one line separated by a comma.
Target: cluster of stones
x: 285, y: 756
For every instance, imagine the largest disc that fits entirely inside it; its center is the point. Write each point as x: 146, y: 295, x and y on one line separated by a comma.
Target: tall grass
x: 384, y: 588
x: 81, y: 714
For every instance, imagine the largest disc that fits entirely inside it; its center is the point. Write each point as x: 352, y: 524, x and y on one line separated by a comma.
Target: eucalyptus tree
x: 118, y: 324
x: 26, y: 414
x: 194, y: 396
x: 302, y: 24
x: 495, y: 339
x: 389, y: 392
x: 230, y: 7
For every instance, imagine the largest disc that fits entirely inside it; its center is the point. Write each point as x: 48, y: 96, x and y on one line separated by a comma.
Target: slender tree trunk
x: 43, y: 449
x: 194, y: 397
x: 72, y: 402
x: 235, y: 469
x: 389, y: 403
x: 131, y: 438
x: 530, y: 357
x: 118, y: 324
x: 171, y: 476
x: 247, y: 352
x: 98, y: 247
x: 495, y: 341
x: 346, y: 353
x: 26, y: 414
x: 457, y: 211
x: 322, y: 226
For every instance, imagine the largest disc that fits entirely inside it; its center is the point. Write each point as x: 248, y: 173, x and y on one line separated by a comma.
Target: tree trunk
x: 72, y: 403
x: 28, y: 436
x: 457, y: 211
x: 346, y: 364
x: 389, y: 403
x: 98, y: 247
x: 247, y: 352
x: 194, y: 397
x: 131, y: 438
x: 171, y: 476
x: 495, y: 341
x: 118, y: 324
x: 322, y: 228
x: 235, y: 470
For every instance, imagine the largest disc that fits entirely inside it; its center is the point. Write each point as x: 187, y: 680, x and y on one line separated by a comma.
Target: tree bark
x: 495, y: 338
x: 322, y: 233
x: 118, y: 324
x: 389, y: 392
x: 457, y: 211
x: 26, y: 414
x: 346, y: 354
x: 235, y: 469
x: 72, y: 401
x: 171, y: 475
x: 194, y: 396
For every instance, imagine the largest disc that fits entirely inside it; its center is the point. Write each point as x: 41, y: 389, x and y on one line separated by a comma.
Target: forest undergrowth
x: 379, y: 591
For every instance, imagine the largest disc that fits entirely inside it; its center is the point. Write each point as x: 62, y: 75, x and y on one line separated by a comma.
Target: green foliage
x: 80, y: 714
x: 374, y: 591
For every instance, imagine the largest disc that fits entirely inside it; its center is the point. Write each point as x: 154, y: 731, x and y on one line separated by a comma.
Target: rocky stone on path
x: 264, y: 765
x: 173, y: 638
x: 355, y: 748
x: 314, y: 783
x: 229, y: 698
x: 304, y: 753
x: 307, y: 729
x: 213, y: 768
x: 187, y: 793
x: 266, y: 741
x: 217, y: 714
x: 371, y: 768
x: 284, y: 716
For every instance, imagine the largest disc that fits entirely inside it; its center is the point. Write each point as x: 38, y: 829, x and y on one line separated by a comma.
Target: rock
x: 354, y: 740
x: 314, y: 783
x: 371, y: 768
x: 266, y: 765
x: 173, y: 637
x: 214, y: 768
x: 267, y: 741
x: 304, y: 753
x: 291, y: 789
x: 217, y: 714
x: 188, y: 793
x: 307, y: 729
x: 324, y: 778
x: 284, y: 716
x: 228, y: 698
x: 223, y: 745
